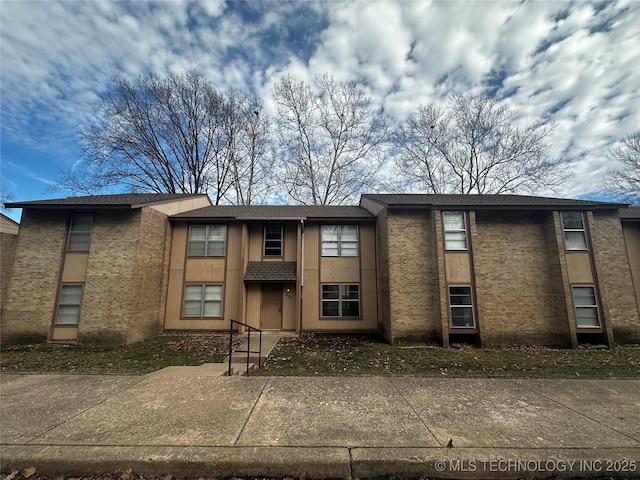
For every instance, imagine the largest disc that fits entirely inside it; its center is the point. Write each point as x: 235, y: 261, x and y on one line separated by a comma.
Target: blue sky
x: 575, y: 64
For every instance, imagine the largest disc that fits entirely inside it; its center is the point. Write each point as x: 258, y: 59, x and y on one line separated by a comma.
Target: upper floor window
x: 455, y: 230
x: 575, y: 237
x: 273, y: 241
x: 339, y: 240
x: 69, y: 304
x: 80, y: 233
x: 207, y: 240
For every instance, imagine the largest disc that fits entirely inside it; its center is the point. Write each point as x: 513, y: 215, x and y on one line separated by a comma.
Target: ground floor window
x: 461, y: 307
x: 340, y: 300
x: 202, y: 301
x: 69, y: 304
x: 586, y: 307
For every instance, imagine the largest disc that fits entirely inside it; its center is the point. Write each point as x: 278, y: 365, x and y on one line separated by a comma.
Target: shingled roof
x: 631, y: 213
x: 124, y: 200
x: 275, y: 212
x: 271, y: 272
x: 486, y: 202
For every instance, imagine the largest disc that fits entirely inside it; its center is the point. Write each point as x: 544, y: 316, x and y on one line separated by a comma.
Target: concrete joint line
x: 415, y: 412
x: 235, y: 442
x: 557, y: 402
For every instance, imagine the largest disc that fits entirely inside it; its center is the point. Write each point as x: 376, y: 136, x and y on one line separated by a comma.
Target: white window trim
x: 582, y: 230
x: 206, y: 241
x: 576, y: 307
x: 340, y: 300
x: 264, y: 241
x: 455, y: 230
x: 79, y: 305
x: 451, y: 307
x: 340, y: 227
x: 72, y: 232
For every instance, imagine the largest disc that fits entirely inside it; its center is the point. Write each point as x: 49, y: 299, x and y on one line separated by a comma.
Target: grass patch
x: 134, y: 359
x: 349, y: 355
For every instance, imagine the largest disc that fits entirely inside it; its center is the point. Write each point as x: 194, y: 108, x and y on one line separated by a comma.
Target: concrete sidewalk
x: 354, y: 427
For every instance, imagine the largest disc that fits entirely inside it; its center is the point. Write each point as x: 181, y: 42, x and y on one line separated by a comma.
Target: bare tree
x: 174, y: 134
x: 330, y: 137
x: 473, y: 147
x: 624, y: 179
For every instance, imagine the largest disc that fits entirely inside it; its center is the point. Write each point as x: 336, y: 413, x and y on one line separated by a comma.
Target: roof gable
x: 124, y: 200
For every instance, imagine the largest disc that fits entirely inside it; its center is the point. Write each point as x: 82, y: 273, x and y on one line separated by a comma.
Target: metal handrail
x: 248, y: 350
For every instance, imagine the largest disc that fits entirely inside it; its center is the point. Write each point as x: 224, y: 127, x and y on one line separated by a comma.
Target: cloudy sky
x: 573, y: 63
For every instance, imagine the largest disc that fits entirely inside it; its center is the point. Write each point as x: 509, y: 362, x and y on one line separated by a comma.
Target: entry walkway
x: 330, y: 427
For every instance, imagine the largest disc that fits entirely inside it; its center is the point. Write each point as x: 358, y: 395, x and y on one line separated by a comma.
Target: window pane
x: 212, y: 309
x: 70, y: 295
x: 198, y: 233
x: 350, y: 309
x: 273, y: 233
x: 193, y: 292
x: 460, y: 299
x: 330, y: 309
x: 68, y: 315
x: 453, y: 220
x: 192, y: 308
x: 455, y: 240
x: 331, y: 292
x: 462, y: 317
x: 350, y: 292
x: 80, y: 233
x: 584, y: 296
x: 213, y: 292
x: 217, y: 233
x: 215, y: 249
x: 575, y: 240
x: 572, y: 221
x: 349, y: 249
x: 349, y: 233
x: 587, y: 317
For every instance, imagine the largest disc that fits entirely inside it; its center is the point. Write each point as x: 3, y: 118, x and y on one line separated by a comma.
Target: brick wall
x: 150, y: 276
x: 413, y: 275
x: 8, y: 245
x: 519, y: 292
x: 30, y: 300
x: 614, y: 276
x: 110, y: 285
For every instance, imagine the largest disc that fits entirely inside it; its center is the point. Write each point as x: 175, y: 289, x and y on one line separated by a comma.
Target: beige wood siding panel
x: 457, y: 268
x: 205, y: 270
x: 234, y: 284
x: 311, y: 246
x: 254, y: 297
x: 367, y: 245
x: 369, y: 299
x: 310, y: 300
x: 290, y: 242
x: 340, y: 270
x: 193, y: 324
x: 632, y: 241
x: 344, y: 326
x: 256, y: 234
x: 64, y: 334
x: 234, y: 246
x: 75, y: 267
x: 579, y: 267
x: 178, y: 245
x: 180, y: 206
x: 289, y: 307
x: 174, y: 301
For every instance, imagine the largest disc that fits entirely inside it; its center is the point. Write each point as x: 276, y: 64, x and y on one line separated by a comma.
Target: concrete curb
x: 325, y: 462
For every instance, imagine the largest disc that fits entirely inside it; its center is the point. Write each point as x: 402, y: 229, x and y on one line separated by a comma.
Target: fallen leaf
x: 28, y: 472
x: 11, y: 475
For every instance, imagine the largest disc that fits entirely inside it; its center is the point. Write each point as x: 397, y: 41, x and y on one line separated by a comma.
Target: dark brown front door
x: 271, y: 309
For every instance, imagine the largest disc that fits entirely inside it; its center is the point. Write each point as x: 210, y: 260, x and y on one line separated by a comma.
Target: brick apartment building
x: 490, y: 269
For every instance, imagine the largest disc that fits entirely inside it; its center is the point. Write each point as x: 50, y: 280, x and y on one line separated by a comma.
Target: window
x: 202, y: 301
x: 461, y: 307
x: 80, y: 233
x: 339, y: 241
x: 586, y: 307
x: 455, y: 230
x: 207, y: 240
x: 341, y: 300
x: 69, y: 305
x: 574, y: 233
x: 273, y: 241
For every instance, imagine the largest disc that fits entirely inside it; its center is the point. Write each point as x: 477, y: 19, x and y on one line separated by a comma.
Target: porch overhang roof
x: 271, y: 272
